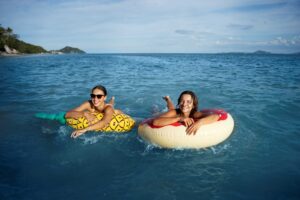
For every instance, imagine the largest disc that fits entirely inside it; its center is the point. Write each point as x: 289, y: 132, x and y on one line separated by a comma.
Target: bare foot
x: 112, y: 101
x: 166, y: 98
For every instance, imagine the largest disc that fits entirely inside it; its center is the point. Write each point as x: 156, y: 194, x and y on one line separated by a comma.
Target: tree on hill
x: 5, y: 34
x: 7, y: 37
x: 10, y: 39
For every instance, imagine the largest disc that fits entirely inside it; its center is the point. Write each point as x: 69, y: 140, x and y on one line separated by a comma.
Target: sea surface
x: 39, y: 160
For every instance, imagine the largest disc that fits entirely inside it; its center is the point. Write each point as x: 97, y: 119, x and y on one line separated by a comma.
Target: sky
x: 156, y: 26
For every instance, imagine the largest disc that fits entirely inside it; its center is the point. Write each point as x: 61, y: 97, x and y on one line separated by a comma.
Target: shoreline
x: 4, y: 54
x: 10, y: 54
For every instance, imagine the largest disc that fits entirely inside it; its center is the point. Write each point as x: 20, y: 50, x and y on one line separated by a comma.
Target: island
x: 261, y: 52
x: 67, y: 49
x: 10, y: 45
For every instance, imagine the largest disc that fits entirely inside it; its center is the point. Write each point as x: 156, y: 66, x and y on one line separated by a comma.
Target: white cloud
x: 157, y: 25
x: 285, y: 41
x: 278, y: 41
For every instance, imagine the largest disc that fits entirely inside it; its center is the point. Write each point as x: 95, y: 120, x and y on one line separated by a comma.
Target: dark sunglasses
x: 99, y: 96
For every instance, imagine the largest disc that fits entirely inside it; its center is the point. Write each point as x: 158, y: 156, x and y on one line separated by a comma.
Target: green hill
x: 68, y: 49
x: 24, y: 47
x: 10, y: 44
x: 7, y: 37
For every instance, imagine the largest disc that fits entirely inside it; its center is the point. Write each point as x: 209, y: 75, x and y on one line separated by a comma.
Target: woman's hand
x: 191, y: 124
x: 193, y: 128
x: 203, y: 121
x: 78, y: 133
x: 187, y: 121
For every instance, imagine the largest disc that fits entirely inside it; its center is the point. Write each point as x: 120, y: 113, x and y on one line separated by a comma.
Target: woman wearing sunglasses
x: 95, y: 105
x: 187, y: 113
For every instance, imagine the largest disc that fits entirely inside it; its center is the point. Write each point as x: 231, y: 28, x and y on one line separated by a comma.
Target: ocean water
x: 39, y: 160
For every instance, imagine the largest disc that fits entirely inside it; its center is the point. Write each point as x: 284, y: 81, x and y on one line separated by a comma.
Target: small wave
x: 46, y: 130
x: 95, y: 137
x: 149, y: 147
x: 156, y: 110
x: 139, y: 100
x: 220, y: 148
x: 64, y: 133
x: 127, y: 110
x: 87, y: 140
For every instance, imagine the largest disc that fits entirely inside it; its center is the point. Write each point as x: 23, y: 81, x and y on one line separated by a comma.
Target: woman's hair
x: 100, y: 87
x: 195, y: 101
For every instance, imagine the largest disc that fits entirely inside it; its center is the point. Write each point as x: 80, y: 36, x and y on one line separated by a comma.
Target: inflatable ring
x: 174, y: 135
x: 119, y: 123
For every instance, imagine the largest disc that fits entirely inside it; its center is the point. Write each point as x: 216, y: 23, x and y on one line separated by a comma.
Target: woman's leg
x: 112, y: 101
x: 170, y: 104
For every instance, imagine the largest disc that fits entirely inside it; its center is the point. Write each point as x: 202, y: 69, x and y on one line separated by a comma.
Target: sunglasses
x: 99, y: 96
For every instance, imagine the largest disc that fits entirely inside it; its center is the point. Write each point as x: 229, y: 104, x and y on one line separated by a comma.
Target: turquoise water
x: 261, y: 159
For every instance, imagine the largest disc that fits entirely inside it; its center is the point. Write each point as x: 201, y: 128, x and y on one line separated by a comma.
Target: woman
x: 95, y: 105
x: 186, y: 113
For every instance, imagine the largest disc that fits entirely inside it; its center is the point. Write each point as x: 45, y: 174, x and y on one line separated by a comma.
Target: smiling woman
x: 186, y: 113
x: 97, y: 115
x: 185, y: 127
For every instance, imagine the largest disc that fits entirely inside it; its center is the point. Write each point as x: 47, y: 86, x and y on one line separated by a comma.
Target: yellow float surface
x: 119, y: 123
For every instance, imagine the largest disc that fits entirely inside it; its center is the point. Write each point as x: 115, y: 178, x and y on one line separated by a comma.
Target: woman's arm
x: 166, y: 118
x: 108, y: 114
x: 78, y: 111
x: 107, y: 117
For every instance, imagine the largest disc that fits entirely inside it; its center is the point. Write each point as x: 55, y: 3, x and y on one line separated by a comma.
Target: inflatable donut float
x: 174, y: 135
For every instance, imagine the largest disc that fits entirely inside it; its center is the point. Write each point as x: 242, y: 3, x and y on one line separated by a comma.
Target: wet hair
x: 194, y: 98
x: 100, y: 87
